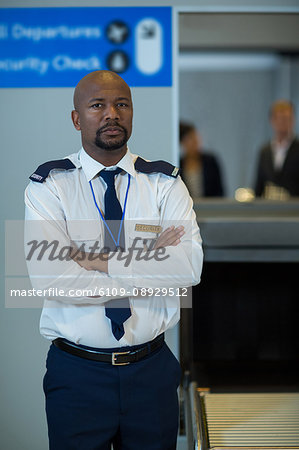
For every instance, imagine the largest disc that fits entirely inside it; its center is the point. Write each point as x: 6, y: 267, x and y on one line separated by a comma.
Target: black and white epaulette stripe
x: 43, y: 170
x: 156, y: 166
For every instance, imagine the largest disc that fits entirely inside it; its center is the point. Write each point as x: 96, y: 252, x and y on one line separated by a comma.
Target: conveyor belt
x: 251, y: 420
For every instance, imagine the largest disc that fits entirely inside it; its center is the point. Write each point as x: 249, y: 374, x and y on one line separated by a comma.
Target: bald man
x: 278, y: 165
x: 117, y: 238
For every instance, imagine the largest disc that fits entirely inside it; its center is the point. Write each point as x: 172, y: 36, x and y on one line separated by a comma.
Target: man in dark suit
x: 278, y: 165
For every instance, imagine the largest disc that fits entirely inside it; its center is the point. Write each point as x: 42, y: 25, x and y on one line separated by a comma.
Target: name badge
x: 148, y: 228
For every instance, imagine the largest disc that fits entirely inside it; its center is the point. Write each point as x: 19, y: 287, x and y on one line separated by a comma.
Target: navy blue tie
x: 118, y: 310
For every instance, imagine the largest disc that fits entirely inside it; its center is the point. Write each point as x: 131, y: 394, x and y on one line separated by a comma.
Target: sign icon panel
x: 118, y: 61
x: 149, y: 58
x: 56, y: 47
x: 117, y: 32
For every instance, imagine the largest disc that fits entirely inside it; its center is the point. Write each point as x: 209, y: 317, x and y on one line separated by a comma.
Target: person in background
x: 278, y: 164
x: 199, y: 170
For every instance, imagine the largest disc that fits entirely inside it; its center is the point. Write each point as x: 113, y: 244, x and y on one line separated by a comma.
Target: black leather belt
x: 115, y: 358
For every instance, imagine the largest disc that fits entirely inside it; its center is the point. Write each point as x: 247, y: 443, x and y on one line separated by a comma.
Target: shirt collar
x: 284, y: 144
x: 91, y: 167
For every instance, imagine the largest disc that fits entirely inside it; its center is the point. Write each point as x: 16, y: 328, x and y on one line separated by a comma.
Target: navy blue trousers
x: 91, y: 405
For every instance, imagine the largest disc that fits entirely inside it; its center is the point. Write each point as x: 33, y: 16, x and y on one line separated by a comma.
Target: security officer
x: 110, y: 379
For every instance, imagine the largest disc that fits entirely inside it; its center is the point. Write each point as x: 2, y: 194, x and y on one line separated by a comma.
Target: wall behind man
x: 229, y: 76
x: 230, y: 109
x: 36, y: 127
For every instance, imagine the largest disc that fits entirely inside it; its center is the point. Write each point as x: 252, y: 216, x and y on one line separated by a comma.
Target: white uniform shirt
x: 62, y: 209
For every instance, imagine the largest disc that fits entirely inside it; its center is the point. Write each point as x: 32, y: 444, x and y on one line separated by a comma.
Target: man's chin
x: 110, y: 145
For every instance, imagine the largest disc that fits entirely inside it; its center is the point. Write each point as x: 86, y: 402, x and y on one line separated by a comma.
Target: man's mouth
x: 112, y: 131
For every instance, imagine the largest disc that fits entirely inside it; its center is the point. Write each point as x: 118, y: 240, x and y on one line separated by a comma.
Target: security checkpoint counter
x: 259, y: 230
x: 240, y: 336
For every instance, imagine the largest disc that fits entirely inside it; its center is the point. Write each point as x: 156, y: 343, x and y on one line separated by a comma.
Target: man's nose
x: 111, y: 112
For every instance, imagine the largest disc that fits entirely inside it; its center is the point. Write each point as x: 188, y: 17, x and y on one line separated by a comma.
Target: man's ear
x: 76, y: 120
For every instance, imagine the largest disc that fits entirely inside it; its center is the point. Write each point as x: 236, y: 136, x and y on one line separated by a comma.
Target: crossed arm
x: 182, y: 267
x: 169, y: 237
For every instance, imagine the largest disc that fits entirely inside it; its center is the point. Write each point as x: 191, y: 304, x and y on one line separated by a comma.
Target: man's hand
x: 91, y: 261
x: 170, y: 236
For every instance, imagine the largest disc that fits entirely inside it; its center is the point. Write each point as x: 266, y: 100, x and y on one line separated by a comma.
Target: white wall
x: 36, y: 127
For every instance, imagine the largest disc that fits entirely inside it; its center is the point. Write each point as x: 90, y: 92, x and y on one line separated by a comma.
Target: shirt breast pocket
x: 86, y: 235
x: 142, y: 233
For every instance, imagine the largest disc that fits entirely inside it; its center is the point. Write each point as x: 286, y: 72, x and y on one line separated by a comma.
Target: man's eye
x: 122, y: 105
x: 97, y: 105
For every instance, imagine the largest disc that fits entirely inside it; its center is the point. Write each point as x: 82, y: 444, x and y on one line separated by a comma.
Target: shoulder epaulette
x: 43, y: 170
x: 156, y: 166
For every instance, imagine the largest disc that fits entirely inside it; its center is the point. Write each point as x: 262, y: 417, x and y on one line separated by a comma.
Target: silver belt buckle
x: 115, y: 355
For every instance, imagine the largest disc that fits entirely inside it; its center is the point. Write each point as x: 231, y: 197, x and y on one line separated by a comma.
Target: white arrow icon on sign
x: 148, y: 42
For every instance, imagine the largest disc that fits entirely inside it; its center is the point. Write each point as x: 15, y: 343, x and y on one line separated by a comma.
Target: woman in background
x: 199, y: 170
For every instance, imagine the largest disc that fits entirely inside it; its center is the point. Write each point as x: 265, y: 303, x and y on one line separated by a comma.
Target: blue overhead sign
x: 56, y: 47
